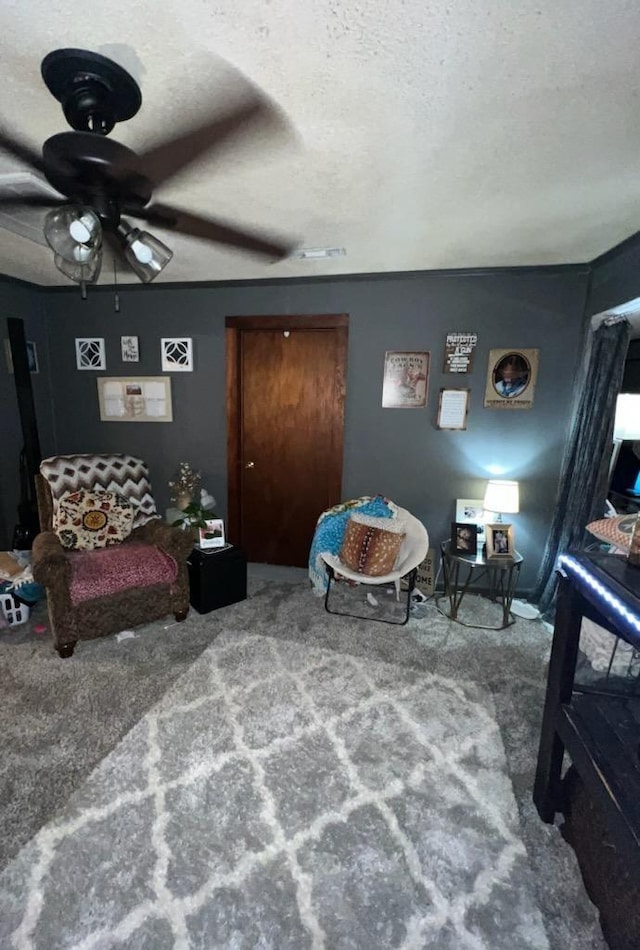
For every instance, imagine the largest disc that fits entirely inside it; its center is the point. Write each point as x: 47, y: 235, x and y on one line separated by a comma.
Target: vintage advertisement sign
x: 458, y: 352
x: 405, y: 380
x: 511, y: 379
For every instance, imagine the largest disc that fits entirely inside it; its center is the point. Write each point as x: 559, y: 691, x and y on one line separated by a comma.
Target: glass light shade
x: 627, y: 424
x: 72, y: 230
x: 502, y: 496
x: 147, y: 256
x: 83, y: 272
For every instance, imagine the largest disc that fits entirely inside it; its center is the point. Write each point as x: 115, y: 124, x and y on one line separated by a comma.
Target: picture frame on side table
x: 471, y: 511
x: 212, y: 535
x: 464, y: 538
x: 500, y: 541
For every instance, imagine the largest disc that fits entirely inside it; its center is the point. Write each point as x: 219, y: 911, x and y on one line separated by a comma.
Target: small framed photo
x: 212, y: 535
x: 471, y: 510
x: 499, y: 540
x: 464, y: 538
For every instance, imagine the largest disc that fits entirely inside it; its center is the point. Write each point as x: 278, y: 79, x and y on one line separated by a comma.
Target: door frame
x: 233, y: 330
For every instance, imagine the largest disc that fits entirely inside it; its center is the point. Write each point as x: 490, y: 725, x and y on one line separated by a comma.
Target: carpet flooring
x: 61, y: 718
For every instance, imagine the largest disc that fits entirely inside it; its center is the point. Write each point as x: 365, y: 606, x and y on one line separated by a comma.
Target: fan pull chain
x: 115, y: 286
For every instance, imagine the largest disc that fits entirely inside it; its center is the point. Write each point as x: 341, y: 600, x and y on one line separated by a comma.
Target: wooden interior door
x: 285, y: 407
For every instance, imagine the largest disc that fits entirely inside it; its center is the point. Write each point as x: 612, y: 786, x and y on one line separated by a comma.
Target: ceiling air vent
x: 318, y: 253
x: 21, y: 219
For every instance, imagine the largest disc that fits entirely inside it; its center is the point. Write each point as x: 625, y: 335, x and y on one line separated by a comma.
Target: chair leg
x: 65, y: 650
x: 180, y: 615
x: 394, y: 623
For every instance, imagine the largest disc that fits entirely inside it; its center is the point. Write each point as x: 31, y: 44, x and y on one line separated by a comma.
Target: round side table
x: 460, y: 571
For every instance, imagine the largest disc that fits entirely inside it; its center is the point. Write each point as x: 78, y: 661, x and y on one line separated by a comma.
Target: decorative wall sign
x: 405, y: 380
x: 129, y: 349
x: 458, y: 352
x: 511, y: 379
x: 135, y: 399
x: 32, y: 356
x: 177, y: 355
x: 425, y: 576
x: 90, y: 353
x: 453, y: 407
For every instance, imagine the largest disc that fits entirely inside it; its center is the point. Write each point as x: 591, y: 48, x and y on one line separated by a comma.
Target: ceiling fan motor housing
x: 95, y: 92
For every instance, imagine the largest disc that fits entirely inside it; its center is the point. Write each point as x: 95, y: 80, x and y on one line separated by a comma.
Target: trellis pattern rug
x: 286, y: 796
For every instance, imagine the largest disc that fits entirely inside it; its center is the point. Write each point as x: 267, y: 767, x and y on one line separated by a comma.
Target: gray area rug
x: 498, y: 674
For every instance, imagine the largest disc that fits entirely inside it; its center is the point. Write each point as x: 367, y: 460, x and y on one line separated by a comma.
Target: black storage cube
x: 217, y: 578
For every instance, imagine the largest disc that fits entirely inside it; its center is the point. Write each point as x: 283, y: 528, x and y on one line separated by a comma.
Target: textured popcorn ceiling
x: 429, y: 133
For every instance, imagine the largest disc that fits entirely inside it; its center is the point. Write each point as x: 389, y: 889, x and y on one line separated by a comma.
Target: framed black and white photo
x: 464, y: 538
x: 499, y: 539
x: 471, y: 511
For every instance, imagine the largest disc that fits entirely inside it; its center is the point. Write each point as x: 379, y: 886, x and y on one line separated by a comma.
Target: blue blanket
x: 330, y: 530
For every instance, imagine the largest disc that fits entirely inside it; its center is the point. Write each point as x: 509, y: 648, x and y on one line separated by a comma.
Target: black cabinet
x: 600, y: 730
x: 217, y: 578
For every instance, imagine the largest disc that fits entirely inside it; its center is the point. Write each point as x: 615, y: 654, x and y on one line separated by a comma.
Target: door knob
x: 250, y: 465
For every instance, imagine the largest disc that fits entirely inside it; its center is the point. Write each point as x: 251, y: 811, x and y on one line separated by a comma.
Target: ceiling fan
x: 103, y: 181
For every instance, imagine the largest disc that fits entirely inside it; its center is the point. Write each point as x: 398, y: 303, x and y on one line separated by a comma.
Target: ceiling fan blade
x: 32, y: 201
x: 214, y: 229
x: 168, y: 158
x: 14, y: 146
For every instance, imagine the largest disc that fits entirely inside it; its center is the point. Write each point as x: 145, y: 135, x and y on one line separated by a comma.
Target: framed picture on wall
x: 32, y: 356
x: 405, y: 380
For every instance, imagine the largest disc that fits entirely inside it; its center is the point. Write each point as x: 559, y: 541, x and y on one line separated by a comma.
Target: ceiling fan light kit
x: 145, y: 254
x: 82, y: 272
x: 73, y: 232
x: 103, y: 180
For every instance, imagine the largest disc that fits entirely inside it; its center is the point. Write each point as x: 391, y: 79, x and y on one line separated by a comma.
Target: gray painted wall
x: 25, y: 302
x: 616, y: 278
x: 397, y: 452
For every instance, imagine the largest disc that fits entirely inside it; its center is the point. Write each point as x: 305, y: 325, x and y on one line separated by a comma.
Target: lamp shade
x: 73, y: 233
x: 147, y: 256
x: 627, y: 424
x: 502, y: 496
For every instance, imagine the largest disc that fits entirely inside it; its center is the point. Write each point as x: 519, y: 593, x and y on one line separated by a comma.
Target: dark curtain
x: 585, y: 471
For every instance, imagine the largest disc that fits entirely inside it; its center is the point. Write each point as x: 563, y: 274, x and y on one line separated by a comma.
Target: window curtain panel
x: 585, y: 471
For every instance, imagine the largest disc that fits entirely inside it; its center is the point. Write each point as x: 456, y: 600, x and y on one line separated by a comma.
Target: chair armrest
x: 174, y: 541
x: 49, y: 561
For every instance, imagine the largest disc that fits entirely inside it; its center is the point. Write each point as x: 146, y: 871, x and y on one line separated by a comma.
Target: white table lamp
x: 502, y: 496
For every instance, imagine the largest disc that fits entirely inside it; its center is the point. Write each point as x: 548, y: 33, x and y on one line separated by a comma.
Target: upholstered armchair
x: 97, y: 584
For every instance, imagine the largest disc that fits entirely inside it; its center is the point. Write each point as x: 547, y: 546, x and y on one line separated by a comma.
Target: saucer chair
x: 365, y: 544
x: 107, y: 560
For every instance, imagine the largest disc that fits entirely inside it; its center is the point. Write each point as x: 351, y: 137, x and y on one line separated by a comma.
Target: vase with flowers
x: 185, y: 488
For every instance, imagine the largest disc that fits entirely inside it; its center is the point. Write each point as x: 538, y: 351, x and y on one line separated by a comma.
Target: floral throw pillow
x: 371, y: 545
x: 92, y: 519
